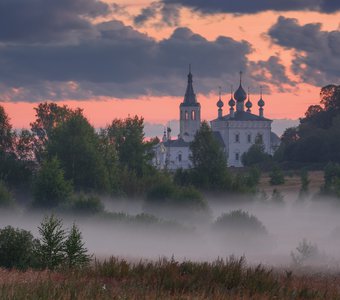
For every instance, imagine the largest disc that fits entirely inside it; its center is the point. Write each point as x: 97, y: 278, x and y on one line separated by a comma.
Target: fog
x: 191, y: 234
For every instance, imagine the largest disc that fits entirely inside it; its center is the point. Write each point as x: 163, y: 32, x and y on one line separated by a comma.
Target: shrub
x: 87, y: 205
x: 305, y: 251
x: 276, y: 176
x: 6, y: 198
x: 17, y: 248
x: 239, y: 221
x: 277, y: 197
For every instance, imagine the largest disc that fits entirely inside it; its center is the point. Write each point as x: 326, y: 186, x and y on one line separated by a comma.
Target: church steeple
x: 190, y: 96
x: 240, y: 96
x: 190, y: 112
x: 220, y: 104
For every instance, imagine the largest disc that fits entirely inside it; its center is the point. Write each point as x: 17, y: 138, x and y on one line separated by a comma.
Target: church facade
x: 235, y: 132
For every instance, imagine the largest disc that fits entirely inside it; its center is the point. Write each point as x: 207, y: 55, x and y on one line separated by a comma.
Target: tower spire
x: 190, y: 96
x: 241, y: 73
x: 248, y: 103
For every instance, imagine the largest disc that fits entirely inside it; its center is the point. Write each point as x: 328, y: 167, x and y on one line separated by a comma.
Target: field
x: 168, y: 279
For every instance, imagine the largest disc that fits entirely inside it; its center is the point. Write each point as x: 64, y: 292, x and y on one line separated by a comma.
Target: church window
x: 237, y: 138
x: 249, y: 138
x: 186, y: 115
x: 237, y: 156
x: 180, y: 157
x: 260, y: 138
x: 193, y: 115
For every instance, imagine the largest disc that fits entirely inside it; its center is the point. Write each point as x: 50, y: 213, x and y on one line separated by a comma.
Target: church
x: 235, y: 132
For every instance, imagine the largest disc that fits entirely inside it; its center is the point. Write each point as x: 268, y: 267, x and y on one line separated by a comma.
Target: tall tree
x: 48, y: 117
x: 128, y: 138
x: 208, y: 161
x: 77, y: 147
x: 6, y: 132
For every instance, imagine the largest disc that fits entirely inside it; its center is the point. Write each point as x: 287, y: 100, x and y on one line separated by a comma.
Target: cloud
x: 119, y: 61
x: 47, y: 20
x: 252, y: 6
x: 161, y: 14
x: 316, y: 52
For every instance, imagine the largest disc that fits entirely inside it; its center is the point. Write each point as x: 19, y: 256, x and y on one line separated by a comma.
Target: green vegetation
x: 169, y: 279
x: 6, y: 198
x: 276, y: 176
x: 17, y: 248
x: 241, y: 222
x: 256, y: 154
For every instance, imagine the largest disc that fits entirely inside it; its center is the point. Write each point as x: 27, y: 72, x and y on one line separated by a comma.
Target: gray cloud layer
x: 256, y: 6
x: 317, y: 52
x: 51, y: 50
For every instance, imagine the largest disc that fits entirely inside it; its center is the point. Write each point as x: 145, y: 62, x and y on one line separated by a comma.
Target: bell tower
x: 190, y: 113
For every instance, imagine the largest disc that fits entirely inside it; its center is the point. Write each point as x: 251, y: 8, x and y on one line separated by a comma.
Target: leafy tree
x: 17, y: 248
x: 25, y: 146
x: 51, y: 250
x: 276, y: 176
x: 50, y: 187
x: 304, y: 183
x: 6, y: 132
x: 48, y: 117
x: 6, y: 198
x: 277, y: 197
x: 75, y: 251
x: 209, y: 163
x: 128, y: 138
x: 305, y: 251
x: 77, y: 147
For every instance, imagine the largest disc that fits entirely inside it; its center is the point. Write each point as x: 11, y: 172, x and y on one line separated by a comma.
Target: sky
x: 121, y: 57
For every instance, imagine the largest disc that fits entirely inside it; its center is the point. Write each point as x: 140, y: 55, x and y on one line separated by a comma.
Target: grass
x: 168, y: 279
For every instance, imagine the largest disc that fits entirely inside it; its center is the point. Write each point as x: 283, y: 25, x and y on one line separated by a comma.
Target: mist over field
x: 189, y: 235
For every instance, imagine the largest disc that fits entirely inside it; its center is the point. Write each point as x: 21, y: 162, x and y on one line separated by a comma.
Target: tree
x: 77, y: 147
x: 6, y: 198
x: 17, y: 248
x: 6, y: 132
x: 128, y: 138
x: 75, y: 251
x: 48, y: 117
x: 304, y: 183
x: 50, y: 187
x: 51, y: 250
x: 209, y: 165
x: 277, y: 197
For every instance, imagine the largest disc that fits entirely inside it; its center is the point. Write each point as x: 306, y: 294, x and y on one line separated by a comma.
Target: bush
x: 6, y: 198
x: 87, y: 205
x: 17, y: 248
x: 277, y: 197
x: 50, y: 187
x: 305, y: 252
x: 240, y: 222
x: 276, y: 176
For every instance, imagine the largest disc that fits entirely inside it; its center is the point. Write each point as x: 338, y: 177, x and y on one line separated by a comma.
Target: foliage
x: 51, y: 251
x: 305, y: 251
x: 76, y: 145
x: 317, y: 138
x: 127, y: 136
x: 50, y: 187
x: 6, y: 132
x: 256, y: 154
x: 75, y: 251
x: 305, y: 181
x: 240, y: 221
x: 17, y: 248
x: 209, y: 162
x: 6, y: 198
x: 166, y: 194
x: 276, y: 176
x: 48, y: 117
x: 87, y: 205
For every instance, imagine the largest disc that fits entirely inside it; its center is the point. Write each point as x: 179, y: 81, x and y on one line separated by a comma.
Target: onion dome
x: 261, y: 101
x: 248, y: 103
x: 240, y: 94
x: 231, y: 102
x: 220, y: 103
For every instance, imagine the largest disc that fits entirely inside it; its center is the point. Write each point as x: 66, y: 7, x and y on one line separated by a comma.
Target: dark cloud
x: 160, y: 14
x: 316, y: 52
x: 47, y: 20
x: 120, y: 62
x: 256, y: 6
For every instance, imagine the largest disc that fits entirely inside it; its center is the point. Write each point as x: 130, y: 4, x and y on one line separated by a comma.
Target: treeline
x: 62, y: 161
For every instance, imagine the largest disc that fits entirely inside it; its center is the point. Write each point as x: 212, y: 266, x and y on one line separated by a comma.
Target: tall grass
x: 168, y: 279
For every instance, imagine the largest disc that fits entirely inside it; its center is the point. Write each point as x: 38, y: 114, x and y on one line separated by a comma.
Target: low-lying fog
x: 197, y: 239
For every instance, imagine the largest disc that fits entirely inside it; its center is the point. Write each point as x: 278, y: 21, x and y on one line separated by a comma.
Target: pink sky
x: 252, y: 28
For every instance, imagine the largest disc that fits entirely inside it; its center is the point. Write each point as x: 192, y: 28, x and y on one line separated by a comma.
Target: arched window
x: 249, y: 138
x: 179, y: 157
x: 259, y: 138
x: 237, y: 156
x: 186, y: 115
x: 237, y: 137
x: 193, y: 115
